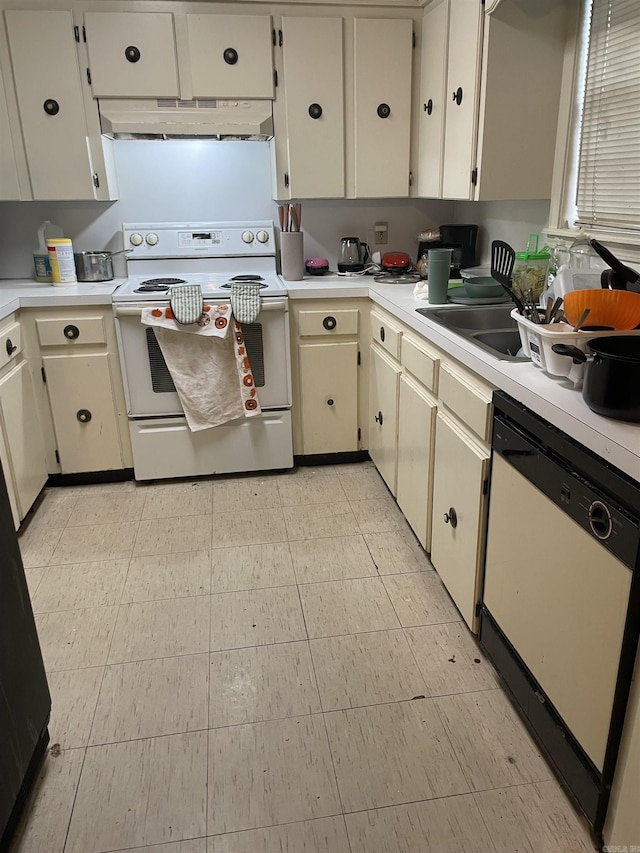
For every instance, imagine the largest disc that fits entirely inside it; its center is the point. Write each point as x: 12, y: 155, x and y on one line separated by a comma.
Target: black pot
x: 612, y: 375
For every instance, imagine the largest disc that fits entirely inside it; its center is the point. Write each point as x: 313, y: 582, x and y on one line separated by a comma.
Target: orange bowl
x: 619, y: 309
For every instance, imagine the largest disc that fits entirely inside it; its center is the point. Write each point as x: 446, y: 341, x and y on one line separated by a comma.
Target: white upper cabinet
x: 435, y: 28
x: 50, y: 103
x: 313, y: 86
x: 9, y: 183
x: 231, y: 55
x: 132, y: 54
x: 382, y: 106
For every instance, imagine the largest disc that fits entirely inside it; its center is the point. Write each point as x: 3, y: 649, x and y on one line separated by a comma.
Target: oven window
x: 161, y: 380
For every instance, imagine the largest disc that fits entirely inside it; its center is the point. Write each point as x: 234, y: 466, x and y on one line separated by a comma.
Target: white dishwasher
x: 561, y: 605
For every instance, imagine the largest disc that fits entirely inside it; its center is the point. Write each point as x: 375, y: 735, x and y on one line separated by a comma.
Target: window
x: 608, y: 174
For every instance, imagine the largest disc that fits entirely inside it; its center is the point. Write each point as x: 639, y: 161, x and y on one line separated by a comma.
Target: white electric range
x: 211, y: 254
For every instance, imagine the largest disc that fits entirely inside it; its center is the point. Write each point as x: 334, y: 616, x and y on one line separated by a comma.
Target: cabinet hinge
x: 88, y: 77
x: 410, y: 179
x: 96, y: 180
x: 286, y: 179
x: 478, y: 608
x: 359, y: 433
x: 485, y: 487
x: 474, y: 177
x: 275, y: 79
x: 413, y: 40
x: 359, y: 359
x: 280, y: 38
x: 273, y: 36
x: 84, y: 34
x: 43, y: 373
x: 57, y: 456
x: 76, y: 34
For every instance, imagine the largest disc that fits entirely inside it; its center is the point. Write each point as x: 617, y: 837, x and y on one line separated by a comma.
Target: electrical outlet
x: 380, y: 233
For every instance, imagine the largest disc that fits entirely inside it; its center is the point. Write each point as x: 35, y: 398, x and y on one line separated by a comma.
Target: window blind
x: 608, y: 191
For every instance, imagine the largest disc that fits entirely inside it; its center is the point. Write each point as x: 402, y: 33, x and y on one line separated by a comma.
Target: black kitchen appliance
x: 460, y: 238
x: 25, y: 703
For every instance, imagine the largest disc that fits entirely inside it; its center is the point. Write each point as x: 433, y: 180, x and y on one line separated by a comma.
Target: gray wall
x: 181, y: 180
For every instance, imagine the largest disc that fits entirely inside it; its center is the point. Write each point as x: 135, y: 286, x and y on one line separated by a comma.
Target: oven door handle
x: 134, y: 309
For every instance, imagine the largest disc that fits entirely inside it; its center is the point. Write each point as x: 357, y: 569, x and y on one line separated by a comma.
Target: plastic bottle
x: 41, y: 263
x: 63, y: 268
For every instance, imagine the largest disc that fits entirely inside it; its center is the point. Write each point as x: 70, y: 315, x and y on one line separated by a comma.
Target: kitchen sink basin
x: 490, y: 327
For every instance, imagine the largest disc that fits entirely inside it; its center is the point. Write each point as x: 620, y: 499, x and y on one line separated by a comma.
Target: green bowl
x: 483, y: 287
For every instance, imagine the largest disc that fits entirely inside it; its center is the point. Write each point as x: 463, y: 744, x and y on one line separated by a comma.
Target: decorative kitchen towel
x: 210, y: 369
x: 215, y: 320
x: 186, y: 303
x: 245, y: 300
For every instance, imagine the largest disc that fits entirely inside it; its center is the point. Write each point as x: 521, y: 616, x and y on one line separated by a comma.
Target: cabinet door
x: 416, y: 430
x: 9, y: 185
x: 329, y: 397
x: 384, y: 380
x: 79, y: 384
x: 459, y: 508
x: 314, y: 106
x: 382, y: 110
x: 435, y: 34
x: 47, y: 78
x: 230, y: 56
x: 22, y: 434
x: 461, y: 97
x: 132, y: 54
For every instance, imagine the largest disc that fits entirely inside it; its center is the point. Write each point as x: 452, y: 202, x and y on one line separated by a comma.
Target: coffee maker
x: 460, y: 238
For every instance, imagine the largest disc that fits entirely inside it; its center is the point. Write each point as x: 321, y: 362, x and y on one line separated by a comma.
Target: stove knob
x: 151, y: 239
x: 136, y: 239
x: 263, y: 236
x: 247, y: 236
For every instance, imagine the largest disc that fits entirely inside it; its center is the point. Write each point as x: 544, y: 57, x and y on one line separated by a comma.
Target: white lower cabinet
x: 22, y: 449
x: 459, y: 510
x: 416, y: 430
x: 384, y: 385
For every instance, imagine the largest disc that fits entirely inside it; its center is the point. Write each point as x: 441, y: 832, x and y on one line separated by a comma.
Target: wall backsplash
x: 196, y: 180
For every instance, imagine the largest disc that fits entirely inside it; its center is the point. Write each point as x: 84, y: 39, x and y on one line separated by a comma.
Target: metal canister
x: 63, y: 268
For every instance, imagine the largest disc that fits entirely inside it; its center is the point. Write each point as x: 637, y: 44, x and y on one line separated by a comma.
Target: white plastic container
x: 63, y: 268
x: 41, y: 262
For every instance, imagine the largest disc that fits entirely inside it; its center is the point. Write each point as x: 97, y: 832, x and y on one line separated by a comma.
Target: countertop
x: 615, y: 441
x: 553, y: 399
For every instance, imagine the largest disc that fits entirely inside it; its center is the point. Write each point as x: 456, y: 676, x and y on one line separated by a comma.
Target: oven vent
x: 197, y: 104
x: 252, y: 333
x: 161, y: 380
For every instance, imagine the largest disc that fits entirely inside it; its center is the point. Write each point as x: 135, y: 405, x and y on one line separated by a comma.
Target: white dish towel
x: 209, y: 366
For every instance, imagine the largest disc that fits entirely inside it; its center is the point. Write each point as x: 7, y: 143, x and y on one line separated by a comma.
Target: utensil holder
x: 291, y: 255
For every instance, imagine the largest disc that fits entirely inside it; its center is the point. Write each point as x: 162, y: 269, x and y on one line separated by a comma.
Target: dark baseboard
x: 332, y: 458
x: 29, y: 778
x: 90, y: 477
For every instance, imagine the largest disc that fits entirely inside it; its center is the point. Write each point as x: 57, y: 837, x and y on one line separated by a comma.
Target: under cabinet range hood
x: 166, y: 118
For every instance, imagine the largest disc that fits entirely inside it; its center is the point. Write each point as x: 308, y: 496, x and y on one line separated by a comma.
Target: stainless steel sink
x: 490, y: 327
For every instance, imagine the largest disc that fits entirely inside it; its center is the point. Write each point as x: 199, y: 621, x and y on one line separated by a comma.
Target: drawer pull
x: 51, y: 107
x: 10, y: 347
x: 230, y: 56
x: 71, y: 332
x: 329, y: 323
x: 330, y: 402
x: 315, y: 110
x: 84, y: 416
x: 457, y: 95
x: 378, y: 418
x: 428, y: 107
x: 382, y: 333
x: 384, y: 110
x: 132, y: 53
x: 451, y: 518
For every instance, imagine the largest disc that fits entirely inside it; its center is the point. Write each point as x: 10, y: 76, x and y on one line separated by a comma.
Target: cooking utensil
x: 612, y: 375
x: 619, y: 309
x: 395, y: 262
x: 95, y: 266
x: 581, y: 319
x: 502, y: 259
x: 553, y: 315
x: 619, y: 275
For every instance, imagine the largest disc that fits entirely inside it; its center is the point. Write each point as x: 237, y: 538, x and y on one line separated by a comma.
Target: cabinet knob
x: 378, y: 418
x: 132, y: 53
x: 451, y: 517
x: 230, y: 56
x: 329, y: 323
x: 71, y: 332
x: 83, y: 415
x: 382, y: 333
x: 384, y: 110
x: 329, y: 402
x: 10, y: 347
x: 51, y: 107
x: 315, y: 110
x: 457, y: 95
x: 428, y: 107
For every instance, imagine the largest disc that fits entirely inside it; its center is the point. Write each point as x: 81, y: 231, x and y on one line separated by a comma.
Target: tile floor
x: 268, y: 665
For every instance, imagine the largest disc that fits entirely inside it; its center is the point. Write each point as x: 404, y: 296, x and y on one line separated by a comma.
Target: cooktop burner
x: 252, y: 277
x: 239, y: 279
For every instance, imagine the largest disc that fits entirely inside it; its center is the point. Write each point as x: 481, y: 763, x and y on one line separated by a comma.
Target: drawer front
x: 56, y: 331
x: 10, y: 343
x: 342, y: 322
x: 467, y: 398
x: 422, y: 364
x: 386, y: 334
